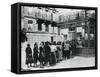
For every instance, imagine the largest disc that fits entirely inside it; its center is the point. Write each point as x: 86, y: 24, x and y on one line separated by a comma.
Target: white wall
x: 5, y: 39
x: 80, y: 29
x: 65, y: 32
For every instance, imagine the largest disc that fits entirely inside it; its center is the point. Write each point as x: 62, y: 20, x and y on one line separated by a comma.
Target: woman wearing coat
x: 47, y: 53
x: 28, y: 56
x: 41, y: 54
x: 53, y: 54
x: 35, y: 54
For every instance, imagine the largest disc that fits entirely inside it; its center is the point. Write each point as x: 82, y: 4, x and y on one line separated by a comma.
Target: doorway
x: 52, y: 39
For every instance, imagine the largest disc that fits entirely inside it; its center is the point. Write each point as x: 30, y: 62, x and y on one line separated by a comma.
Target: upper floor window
x: 47, y: 28
x: 30, y: 21
x: 39, y: 27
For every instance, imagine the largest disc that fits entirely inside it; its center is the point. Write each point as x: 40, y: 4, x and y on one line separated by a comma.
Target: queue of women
x: 48, y: 54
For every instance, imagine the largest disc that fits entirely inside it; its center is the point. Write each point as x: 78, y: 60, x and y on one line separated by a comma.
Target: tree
x: 23, y: 35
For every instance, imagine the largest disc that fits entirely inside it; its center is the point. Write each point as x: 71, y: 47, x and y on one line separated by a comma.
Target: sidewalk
x: 70, y: 63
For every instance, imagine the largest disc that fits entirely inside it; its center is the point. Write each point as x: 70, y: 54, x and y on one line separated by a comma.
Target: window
x: 30, y: 21
x: 39, y: 27
x: 47, y: 28
x: 71, y: 28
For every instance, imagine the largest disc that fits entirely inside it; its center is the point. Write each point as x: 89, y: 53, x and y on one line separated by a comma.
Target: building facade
x: 39, y: 27
x: 81, y: 29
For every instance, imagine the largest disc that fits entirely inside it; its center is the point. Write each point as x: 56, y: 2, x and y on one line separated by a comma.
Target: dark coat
x: 47, y: 53
x: 35, y: 54
x: 28, y: 55
x: 47, y: 50
x: 41, y: 54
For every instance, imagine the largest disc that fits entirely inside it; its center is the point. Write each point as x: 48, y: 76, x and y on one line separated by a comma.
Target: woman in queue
x: 53, y: 54
x: 41, y: 54
x: 35, y: 54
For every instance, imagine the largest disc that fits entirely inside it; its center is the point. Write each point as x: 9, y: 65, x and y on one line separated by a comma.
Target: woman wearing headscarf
x: 35, y: 54
x: 28, y: 56
x: 41, y: 54
x: 47, y: 53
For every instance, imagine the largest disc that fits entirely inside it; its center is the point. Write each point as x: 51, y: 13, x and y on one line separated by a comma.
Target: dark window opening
x: 40, y: 27
x: 39, y: 22
x: 30, y: 21
x: 47, y: 28
x: 71, y: 28
x: 52, y: 39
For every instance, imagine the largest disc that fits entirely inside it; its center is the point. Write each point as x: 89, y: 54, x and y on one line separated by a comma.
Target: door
x: 51, y: 38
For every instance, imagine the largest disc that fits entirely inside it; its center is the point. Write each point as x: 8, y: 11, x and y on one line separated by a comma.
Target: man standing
x: 66, y: 50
